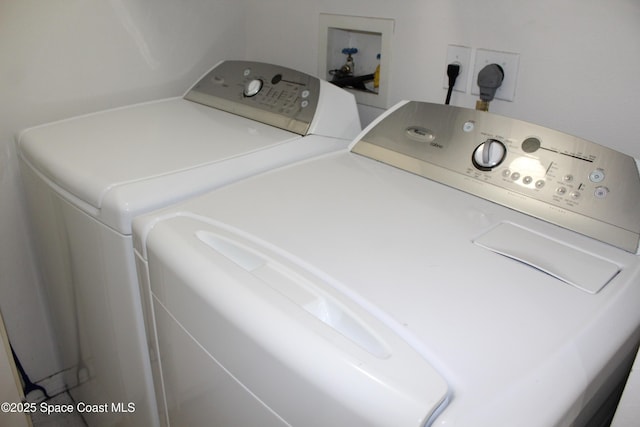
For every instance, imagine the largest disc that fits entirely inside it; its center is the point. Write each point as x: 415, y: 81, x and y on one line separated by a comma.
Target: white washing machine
x: 454, y: 268
x: 87, y: 177
x: 628, y: 410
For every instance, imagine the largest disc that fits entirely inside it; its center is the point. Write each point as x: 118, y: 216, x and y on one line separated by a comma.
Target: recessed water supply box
x: 355, y: 53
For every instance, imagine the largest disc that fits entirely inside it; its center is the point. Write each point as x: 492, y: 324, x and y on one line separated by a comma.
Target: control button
x: 575, y: 195
x: 596, y: 176
x: 527, y: 180
x: 246, y: 72
x: 219, y: 80
x: 515, y: 176
x: 601, y: 192
x: 276, y: 79
x: 489, y: 154
x: 567, y: 178
x: 468, y: 126
x: 304, y: 103
x: 530, y: 145
x: 252, y: 88
x: 561, y: 191
x: 506, y: 173
x: 540, y: 183
x: 305, y: 93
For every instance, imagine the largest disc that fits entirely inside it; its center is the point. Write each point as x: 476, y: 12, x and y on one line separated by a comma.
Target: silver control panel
x: 267, y: 93
x: 556, y: 177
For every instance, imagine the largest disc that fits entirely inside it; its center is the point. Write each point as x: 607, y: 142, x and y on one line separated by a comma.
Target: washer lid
x: 503, y: 334
x: 89, y: 156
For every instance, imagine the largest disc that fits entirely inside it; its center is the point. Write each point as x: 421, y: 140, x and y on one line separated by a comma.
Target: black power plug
x: 453, y: 71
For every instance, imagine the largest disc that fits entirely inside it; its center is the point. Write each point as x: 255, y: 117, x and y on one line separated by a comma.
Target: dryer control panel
x: 267, y: 93
x: 551, y: 175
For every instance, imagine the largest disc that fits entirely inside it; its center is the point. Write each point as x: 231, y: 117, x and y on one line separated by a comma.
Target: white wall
x: 579, y: 60
x: 70, y: 57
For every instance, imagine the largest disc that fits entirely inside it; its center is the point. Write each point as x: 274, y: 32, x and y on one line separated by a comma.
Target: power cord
x: 453, y: 71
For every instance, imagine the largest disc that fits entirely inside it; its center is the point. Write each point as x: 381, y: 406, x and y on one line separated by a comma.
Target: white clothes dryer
x: 454, y: 268
x: 87, y: 177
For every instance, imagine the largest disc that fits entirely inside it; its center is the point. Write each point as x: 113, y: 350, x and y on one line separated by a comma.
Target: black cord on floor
x: 29, y: 386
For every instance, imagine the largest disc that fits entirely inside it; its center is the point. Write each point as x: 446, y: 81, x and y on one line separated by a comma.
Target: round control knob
x: 489, y: 154
x: 252, y: 88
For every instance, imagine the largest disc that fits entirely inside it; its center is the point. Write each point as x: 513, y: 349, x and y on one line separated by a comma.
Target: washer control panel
x: 556, y: 177
x: 267, y: 93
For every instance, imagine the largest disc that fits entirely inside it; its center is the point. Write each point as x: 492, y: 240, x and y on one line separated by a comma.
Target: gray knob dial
x: 252, y: 87
x: 489, y: 154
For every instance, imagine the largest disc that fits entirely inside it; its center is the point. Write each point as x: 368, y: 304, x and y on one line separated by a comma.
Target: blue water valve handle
x: 350, y: 50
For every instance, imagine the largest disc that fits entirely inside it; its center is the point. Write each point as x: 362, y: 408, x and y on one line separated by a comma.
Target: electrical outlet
x: 509, y: 63
x: 460, y: 55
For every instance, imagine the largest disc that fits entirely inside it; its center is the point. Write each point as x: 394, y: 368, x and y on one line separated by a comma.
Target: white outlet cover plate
x: 509, y: 63
x: 458, y: 55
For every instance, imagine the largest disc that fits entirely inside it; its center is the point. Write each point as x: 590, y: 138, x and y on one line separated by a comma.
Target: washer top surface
x: 122, y: 162
x: 92, y: 154
x: 508, y: 337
